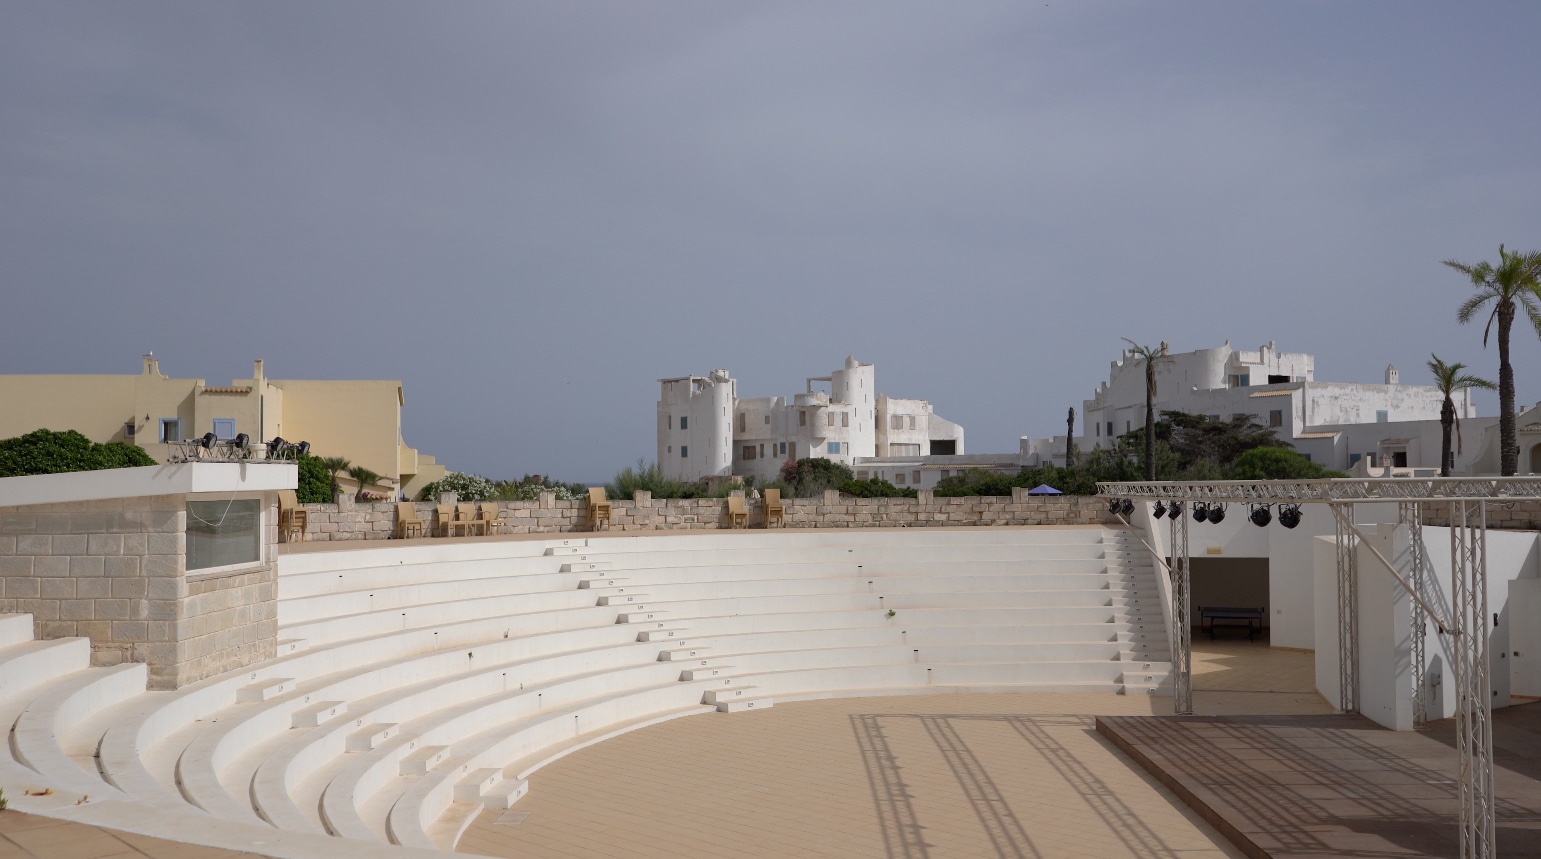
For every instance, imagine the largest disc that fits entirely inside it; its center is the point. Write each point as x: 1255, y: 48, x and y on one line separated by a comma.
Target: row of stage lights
x: 1262, y: 514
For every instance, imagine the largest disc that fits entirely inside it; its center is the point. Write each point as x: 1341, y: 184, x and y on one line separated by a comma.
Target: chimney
x: 152, y: 367
x: 256, y: 372
x: 1392, y: 376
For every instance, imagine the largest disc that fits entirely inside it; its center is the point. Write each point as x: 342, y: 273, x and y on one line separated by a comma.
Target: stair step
x: 15, y: 629
x: 287, y: 646
x: 316, y: 714
x: 505, y: 793
x: 680, y: 654
x: 739, y: 706
x: 642, y: 614
x: 663, y: 632
x: 602, y: 582
x: 262, y: 690
x: 587, y: 566
x: 424, y: 759
x: 705, y: 672
x: 728, y: 693
x: 370, y: 735
x: 476, y: 784
x: 623, y: 598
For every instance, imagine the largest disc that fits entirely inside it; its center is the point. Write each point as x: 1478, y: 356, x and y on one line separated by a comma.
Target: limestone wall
x: 1514, y: 515
x: 115, y: 571
x: 350, y: 521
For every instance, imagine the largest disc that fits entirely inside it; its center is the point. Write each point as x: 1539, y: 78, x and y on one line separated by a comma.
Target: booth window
x: 223, y: 533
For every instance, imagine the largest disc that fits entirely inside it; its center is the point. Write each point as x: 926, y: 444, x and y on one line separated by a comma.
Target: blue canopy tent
x: 1044, y: 489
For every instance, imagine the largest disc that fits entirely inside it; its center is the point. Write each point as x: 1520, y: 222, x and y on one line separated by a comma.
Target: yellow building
x: 359, y: 420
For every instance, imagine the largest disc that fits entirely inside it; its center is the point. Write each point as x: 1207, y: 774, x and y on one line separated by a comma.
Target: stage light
x: 1176, y: 511
x: 1216, y: 513
x: 1159, y: 510
x: 242, y: 442
x: 1261, y: 515
x: 1113, y: 506
x: 1200, y: 512
x: 1289, y: 515
x: 304, y: 448
x: 207, y: 442
x: 275, y: 445
x: 1126, y: 507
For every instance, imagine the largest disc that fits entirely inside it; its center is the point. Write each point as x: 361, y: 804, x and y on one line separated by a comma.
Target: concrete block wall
x: 350, y: 521
x: 114, y: 571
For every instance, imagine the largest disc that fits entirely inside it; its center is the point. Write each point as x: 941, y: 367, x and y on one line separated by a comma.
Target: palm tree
x: 1448, y: 378
x: 365, y: 478
x: 1150, y: 354
x: 1515, y: 282
x: 1070, y: 439
x: 335, y: 465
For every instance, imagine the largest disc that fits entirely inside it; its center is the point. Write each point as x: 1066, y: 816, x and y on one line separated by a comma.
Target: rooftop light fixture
x: 1289, y: 515
x: 1200, y: 511
x: 1176, y: 511
x: 1216, y: 514
x: 1126, y: 507
x: 1261, y: 515
x: 1159, y: 510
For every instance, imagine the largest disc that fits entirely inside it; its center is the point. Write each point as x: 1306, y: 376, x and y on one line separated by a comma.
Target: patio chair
x: 775, y: 511
x: 599, y: 508
x: 465, y: 519
x: 492, y: 518
x: 444, y: 520
x: 407, y: 522
x: 738, y: 515
x: 292, y: 518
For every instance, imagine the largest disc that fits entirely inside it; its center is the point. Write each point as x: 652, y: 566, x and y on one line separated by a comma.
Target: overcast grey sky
x: 530, y: 212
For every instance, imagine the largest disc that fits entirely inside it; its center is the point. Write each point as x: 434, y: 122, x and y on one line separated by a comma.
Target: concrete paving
x: 1015, y: 775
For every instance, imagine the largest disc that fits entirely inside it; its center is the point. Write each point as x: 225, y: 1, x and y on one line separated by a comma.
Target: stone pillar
x: 642, y: 498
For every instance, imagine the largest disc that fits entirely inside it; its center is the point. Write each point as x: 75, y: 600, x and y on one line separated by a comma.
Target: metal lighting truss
x: 1466, y: 624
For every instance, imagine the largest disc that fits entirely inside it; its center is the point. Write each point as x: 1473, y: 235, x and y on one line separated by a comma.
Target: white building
x: 1336, y: 424
x: 705, y: 430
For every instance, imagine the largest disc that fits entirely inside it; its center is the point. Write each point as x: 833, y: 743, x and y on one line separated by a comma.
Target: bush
x: 467, y: 487
x: 648, y: 477
x: 808, y: 478
x: 1273, y: 463
x: 315, y: 481
x: 45, y: 451
x: 516, y: 491
x: 877, y: 487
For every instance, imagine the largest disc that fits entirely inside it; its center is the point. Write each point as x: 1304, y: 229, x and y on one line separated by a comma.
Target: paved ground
x: 1013, y: 775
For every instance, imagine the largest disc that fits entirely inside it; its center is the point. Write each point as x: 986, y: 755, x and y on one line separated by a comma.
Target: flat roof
x: 188, y: 478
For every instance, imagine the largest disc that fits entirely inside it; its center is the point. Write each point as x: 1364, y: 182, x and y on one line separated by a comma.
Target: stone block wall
x: 114, y: 571
x: 350, y: 521
x: 1512, y: 515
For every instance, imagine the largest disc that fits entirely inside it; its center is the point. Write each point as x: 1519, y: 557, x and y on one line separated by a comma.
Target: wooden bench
x: 1212, y: 616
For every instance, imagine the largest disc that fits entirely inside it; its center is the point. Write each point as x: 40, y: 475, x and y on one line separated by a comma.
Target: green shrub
x: 808, y: 478
x: 877, y: 487
x: 45, y: 451
x: 648, y: 477
x: 315, y: 481
x: 1273, y: 463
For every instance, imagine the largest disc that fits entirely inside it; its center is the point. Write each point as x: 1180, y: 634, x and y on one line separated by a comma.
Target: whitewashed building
x: 705, y: 430
x: 1337, y: 424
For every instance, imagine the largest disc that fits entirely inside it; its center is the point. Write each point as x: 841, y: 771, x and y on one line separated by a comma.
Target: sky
x: 529, y: 212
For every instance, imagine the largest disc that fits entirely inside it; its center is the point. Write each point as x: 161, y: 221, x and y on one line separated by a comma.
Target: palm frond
x: 1468, y: 381
x: 1469, y: 307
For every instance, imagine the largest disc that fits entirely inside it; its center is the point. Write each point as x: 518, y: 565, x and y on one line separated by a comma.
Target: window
x: 748, y: 451
x: 1214, y: 417
x: 1381, y: 416
x: 845, y: 419
x: 741, y: 419
x: 1235, y: 415
x: 224, y: 428
x: 861, y: 475
x: 1099, y: 430
x: 670, y: 420
x: 1126, y: 426
x: 171, y: 430
x: 1353, y: 459
x: 1276, y: 418
x: 762, y: 451
x: 832, y: 447
x: 684, y: 449
x: 830, y: 418
x: 767, y: 419
x: 1110, y: 429
x: 128, y: 430
x: 912, y: 421
x: 783, y: 448
x: 942, y: 474
x: 223, y: 533
x: 914, y: 477
x: 904, y: 450
x: 899, y: 478
x: 896, y: 422
x: 802, y: 419
x: 671, y: 448
x: 684, y: 422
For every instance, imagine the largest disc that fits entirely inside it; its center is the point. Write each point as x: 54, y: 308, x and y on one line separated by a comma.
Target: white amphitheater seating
x: 416, y: 686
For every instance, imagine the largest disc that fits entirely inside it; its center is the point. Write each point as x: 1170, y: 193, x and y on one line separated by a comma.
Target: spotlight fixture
x: 1289, y: 515
x: 1113, y: 506
x: 1126, y: 507
x: 208, y: 440
x: 1216, y: 513
x: 275, y: 445
x: 242, y: 442
x: 1176, y: 511
x: 303, y: 449
x: 1261, y: 515
x: 1200, y: 511
x: 1159, y: 510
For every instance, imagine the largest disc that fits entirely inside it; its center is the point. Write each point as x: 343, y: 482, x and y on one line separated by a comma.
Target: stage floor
x: 1336, y: 785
